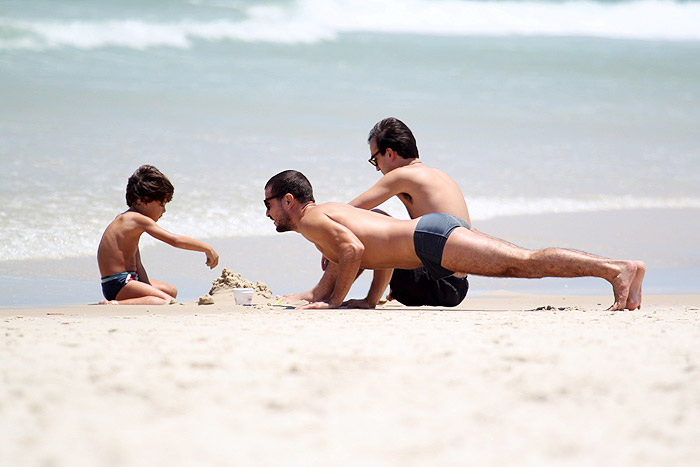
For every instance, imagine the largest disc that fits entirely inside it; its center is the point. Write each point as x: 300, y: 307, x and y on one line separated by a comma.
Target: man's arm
x: 331, y: 236
x: 389, y: 185
x: 380, y: 281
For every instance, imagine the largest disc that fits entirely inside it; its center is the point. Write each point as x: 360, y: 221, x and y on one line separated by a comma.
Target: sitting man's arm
x: 389, y: 185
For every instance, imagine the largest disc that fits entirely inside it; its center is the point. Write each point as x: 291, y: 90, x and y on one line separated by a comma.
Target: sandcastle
x: 231, y: 280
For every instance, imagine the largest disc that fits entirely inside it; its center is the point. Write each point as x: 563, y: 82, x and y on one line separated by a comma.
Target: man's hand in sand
x: 322, y: 305
x: 357, y: 303
x: 316, y: 306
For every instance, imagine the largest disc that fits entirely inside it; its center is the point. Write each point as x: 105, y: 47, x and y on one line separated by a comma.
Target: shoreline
x: 492, y: 300
x: 288, y: 263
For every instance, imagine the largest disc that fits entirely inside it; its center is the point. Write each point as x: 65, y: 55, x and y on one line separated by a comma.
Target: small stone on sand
x: 206, y: 299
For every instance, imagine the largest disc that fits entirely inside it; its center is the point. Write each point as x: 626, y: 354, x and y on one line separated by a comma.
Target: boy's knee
x: 168, y: 289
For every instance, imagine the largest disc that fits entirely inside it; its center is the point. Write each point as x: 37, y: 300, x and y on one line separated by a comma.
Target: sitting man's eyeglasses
x: 267, y: 200
x: 373, y: 160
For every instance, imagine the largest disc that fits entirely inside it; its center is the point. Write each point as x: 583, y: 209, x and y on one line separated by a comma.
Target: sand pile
x: 232, y: 280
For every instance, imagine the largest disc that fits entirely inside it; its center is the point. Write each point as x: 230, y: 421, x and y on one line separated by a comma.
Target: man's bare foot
x: 108, y: 302
x: 622, y: 284
x: 634, y: 299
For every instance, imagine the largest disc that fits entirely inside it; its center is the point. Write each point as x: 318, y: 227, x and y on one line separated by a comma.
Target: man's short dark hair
x: 148, y: 184
x: 294, y: 182
x: 393, y: 133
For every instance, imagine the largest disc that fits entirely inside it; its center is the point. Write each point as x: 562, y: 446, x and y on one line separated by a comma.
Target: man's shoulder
x: 325, y: 209
x: 417, y: 174
x: 405, y: 173
x: 332, y: 211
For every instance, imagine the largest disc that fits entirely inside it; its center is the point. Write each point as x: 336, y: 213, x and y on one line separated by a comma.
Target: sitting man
x: 423, y: 190
x: 355, y: 238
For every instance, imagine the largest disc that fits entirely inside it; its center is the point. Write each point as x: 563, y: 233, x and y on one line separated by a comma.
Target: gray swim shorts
x: 429, y: 240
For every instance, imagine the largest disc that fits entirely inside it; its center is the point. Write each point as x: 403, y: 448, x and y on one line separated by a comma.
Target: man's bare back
x: 386, y: 242
x: 422, y: 189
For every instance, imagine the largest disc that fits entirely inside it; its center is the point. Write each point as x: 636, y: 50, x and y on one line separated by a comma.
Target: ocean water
x: 533, y: 107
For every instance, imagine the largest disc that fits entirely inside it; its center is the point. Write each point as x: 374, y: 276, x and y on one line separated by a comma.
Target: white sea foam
x: 66, y: 237
x: 489, y: 208
x: 312, y: 21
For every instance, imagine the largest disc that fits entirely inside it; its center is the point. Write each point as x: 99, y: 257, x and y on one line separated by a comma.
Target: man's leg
x: 478, y: 253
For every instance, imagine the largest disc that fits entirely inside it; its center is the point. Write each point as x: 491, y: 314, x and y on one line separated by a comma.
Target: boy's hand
x: 212, y: 259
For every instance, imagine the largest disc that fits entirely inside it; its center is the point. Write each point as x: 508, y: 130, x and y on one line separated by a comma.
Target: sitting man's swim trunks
x: 111, y: 285
x: 415, y: 287
x: 429, y: 240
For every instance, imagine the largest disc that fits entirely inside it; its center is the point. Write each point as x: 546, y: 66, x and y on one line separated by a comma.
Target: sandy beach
x: 566, y: 124
x: 505, y: 379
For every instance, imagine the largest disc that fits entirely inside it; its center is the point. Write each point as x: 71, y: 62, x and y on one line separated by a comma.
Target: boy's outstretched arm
x: 181, y: 241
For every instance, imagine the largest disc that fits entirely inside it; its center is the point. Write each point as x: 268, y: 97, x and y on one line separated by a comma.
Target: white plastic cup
x: 243, y: 295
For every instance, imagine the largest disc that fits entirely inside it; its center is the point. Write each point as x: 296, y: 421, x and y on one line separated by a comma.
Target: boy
x: 124, y: 280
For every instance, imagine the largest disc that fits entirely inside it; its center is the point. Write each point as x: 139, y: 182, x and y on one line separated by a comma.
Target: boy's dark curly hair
x: 148, y: 184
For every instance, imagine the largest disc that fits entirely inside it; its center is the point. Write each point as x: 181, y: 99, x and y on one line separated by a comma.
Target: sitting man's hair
x: 393, y: 133
x: 148, y: 184
x: 294, y: 182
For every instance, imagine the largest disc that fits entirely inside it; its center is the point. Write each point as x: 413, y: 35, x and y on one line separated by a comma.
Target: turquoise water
x: 533, y: 108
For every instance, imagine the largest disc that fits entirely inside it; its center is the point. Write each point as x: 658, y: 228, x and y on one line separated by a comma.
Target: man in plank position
x: 354, y: 238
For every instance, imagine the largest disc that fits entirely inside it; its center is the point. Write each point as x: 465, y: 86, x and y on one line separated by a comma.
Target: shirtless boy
x: 355, y: 238
x: 422, y: 190
x: 124, y: 279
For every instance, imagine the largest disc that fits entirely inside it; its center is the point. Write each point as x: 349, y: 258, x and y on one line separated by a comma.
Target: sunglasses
x: 267, y: 200
x: 373, y: 160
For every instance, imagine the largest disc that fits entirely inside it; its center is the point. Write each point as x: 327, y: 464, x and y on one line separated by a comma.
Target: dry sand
x: 490, y: 383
